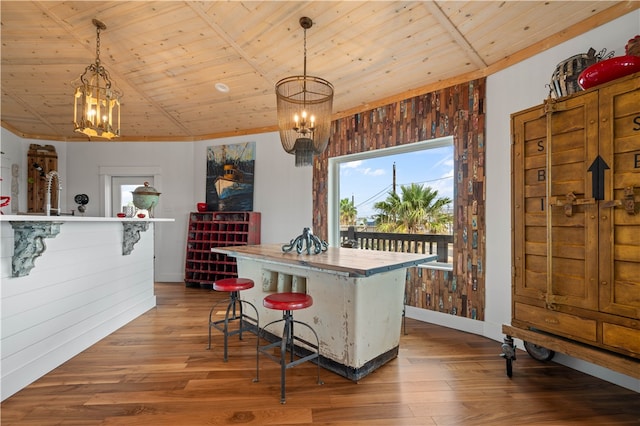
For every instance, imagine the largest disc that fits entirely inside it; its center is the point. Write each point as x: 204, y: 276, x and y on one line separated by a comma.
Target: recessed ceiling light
x: 222, y: 88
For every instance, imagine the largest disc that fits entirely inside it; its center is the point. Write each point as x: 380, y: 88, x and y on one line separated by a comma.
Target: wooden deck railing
x: 406, y: 243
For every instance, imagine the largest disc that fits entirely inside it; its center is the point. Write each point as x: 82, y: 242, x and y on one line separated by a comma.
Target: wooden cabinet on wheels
x: 217, y: 229
x: 576, y: 227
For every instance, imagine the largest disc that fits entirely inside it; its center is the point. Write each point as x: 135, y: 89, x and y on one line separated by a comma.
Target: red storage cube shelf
x: 217, y: 229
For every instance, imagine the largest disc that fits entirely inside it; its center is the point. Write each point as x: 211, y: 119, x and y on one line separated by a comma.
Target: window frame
x: 333, y: 178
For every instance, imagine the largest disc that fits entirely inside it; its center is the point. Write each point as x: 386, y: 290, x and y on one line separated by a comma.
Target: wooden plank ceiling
x: 166, y: 56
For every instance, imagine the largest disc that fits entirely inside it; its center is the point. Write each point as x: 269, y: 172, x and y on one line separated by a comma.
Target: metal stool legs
x: 234, y: 312
x: 287, y: 344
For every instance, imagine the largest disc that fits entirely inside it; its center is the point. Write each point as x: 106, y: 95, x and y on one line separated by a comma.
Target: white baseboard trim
x: 445, y: 320
x: 169, y: 278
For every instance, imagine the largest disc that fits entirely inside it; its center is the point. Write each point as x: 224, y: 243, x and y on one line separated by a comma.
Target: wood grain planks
x: 157, y: 371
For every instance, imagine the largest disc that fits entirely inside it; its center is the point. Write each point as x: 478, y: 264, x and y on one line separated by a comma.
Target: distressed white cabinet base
x: 357, y: 299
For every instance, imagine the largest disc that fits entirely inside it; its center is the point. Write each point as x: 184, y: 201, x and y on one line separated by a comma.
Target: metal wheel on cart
x: 538, y: 353
x: 509, y: 354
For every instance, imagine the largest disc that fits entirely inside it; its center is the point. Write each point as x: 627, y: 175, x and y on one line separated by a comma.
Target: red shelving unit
x: 217, y: 229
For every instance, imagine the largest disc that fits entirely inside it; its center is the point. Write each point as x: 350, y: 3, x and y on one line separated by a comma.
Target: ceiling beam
x: 28, y: 107
x: 197, y: 8
x: 437, y: 13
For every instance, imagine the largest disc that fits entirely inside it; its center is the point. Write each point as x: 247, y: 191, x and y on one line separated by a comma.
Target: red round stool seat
x: 233, y: 284
x: 287, y: 301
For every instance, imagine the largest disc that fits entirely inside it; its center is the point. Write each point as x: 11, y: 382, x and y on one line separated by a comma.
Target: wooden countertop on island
x: 348, y: 261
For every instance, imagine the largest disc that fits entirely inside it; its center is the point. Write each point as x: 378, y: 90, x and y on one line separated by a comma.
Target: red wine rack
x: 217, y: 229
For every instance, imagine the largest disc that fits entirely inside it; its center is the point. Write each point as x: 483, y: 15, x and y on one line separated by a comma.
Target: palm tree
x: 387, y: 218
x: 348, y: 212
x: 418, y: 208
x: 440, y: 222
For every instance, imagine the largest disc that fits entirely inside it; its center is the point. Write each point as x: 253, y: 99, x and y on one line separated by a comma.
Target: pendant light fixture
x: 96, y: 107
x: 304, y: 111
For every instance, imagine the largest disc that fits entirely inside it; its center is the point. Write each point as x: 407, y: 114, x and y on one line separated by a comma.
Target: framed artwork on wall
x: 230, y: 173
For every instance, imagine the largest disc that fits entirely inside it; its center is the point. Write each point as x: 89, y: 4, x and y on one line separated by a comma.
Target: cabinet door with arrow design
x: 572, y: 243
x: 619, y: 211
x: 576, y: 217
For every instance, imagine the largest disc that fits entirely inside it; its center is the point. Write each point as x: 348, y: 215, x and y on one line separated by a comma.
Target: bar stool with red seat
x: 234, y: 310
x: 287, y: 303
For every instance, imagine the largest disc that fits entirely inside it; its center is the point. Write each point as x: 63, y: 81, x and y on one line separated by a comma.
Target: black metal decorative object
x: 81, y: 200
x: 306, y: 242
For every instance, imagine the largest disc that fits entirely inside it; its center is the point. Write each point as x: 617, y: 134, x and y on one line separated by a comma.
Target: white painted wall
x: 175, y: 163
x: 283, y: 192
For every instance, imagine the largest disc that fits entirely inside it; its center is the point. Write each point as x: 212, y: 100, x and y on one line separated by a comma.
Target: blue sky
x: 370, y: 180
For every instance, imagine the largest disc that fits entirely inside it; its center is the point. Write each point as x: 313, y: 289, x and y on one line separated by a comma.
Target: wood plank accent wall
x: 456, y: 111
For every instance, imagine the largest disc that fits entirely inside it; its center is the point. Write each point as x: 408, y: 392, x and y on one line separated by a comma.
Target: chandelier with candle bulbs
x: 96, y: 111
x: 304, y: 111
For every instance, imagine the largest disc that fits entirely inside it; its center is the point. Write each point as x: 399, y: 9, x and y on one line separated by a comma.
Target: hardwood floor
x: 157, y: 371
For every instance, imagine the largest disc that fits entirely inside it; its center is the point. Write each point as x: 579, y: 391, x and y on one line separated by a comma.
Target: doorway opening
x: 121, y: 191
x: 116, y: 184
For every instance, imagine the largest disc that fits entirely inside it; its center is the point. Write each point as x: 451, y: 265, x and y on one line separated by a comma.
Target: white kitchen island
x: 67, y: 282
x: 357, y: 299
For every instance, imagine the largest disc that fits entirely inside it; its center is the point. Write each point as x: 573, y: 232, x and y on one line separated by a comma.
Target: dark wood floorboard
x: 157, y: 371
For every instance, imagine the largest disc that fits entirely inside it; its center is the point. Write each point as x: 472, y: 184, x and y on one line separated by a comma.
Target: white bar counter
x: 81, y: 287
x: 31, y: 217
x: 358, y: 299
